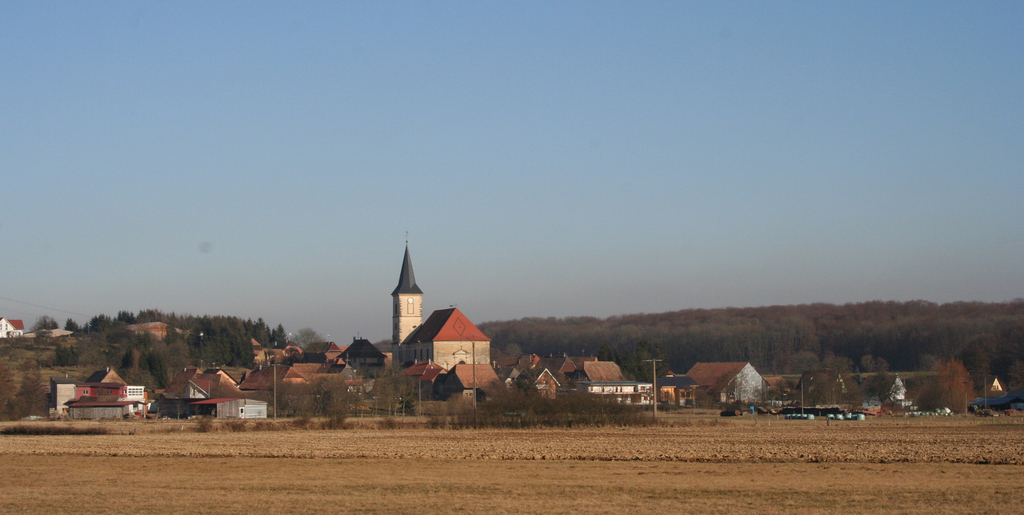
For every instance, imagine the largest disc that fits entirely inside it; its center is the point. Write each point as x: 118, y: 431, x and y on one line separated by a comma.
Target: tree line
x: 988, y: 338
x: 142, y: 359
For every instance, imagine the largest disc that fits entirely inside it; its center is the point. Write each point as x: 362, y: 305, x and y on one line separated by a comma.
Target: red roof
x: 178, y: 382
x: 709, y: 374
x: 424, y: 370
x: 264, y: 379
x: 17, y: 324
x: 447, y: 325
x: 486, y: 379
x: 602, y: 371
x: 306, y: 369
x: 518, y: 362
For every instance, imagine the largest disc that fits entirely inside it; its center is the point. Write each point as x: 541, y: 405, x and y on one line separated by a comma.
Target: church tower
x: 407, y: 310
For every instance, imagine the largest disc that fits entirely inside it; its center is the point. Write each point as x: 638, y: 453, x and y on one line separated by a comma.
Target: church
x: 447, y: 338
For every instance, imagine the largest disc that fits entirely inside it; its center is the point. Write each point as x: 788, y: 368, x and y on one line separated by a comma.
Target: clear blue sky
x: 547, y: 159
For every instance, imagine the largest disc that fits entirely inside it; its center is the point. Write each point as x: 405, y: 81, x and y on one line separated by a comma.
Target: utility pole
x: 275, y: 365
x: 474, y: 384
x: 654, y: 385
x: 984, y: 389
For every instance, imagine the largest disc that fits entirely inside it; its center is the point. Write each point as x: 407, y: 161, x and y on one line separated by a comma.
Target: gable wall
x: 446, y: 353
x: 748, y: 385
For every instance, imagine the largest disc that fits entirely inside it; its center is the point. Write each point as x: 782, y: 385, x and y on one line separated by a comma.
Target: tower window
x: 412, y: 307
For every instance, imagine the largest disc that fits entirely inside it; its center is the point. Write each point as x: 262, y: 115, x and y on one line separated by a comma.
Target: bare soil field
x: 714, y: 467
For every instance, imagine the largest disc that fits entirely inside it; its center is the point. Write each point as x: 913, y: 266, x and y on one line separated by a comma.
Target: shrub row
x: 53, y: 430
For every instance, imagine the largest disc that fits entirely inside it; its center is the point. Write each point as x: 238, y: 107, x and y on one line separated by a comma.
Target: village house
x: 622, y: 392
x: 264, y: 378
x: 600, y: 371
x: 158, y: 330
x: 106, y: 375
x: 103, y: 395
x: 230, y: 408
x: 191, y: 384
x: 259, y: 356
x: 1013, y: 400
x: 425, y: 373
x: 62, y: 391
x: 729, y: 381
x: 364, y: 357
x: 547, y: 385
x: 91, y: 408
x: 11, y: 328
x: 563, y: 371
x: 677, y: 390
x: 460, y: 381
x: 542, y: 380
x: 779, y: 390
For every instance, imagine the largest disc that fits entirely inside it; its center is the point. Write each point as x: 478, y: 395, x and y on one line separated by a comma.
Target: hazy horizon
x: 594, y: 159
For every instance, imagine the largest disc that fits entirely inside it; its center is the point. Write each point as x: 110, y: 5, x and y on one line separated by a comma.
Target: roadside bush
x: 53, y: 430
x: 204, y: 425
x: 236, y: 426
x: 335, y: 421
x: 515, y: 409
x: 304, y: 423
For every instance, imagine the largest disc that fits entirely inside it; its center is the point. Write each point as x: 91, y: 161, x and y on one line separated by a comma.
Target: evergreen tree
x: 278, y: 337
x: 65, y: 356
x: 126, y: 316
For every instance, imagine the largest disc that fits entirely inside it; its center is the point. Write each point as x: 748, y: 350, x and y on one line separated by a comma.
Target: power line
x: 46, y: 307
x: 9, y: 310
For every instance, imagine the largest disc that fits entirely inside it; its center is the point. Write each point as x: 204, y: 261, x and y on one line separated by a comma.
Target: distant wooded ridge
x: 987, y: 337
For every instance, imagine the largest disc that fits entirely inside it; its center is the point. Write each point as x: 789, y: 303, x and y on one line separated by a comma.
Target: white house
x: 623, y: 392
x: 10, y: 328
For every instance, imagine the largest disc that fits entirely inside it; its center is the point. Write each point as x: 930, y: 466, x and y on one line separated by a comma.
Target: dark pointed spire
x: 407, y: 281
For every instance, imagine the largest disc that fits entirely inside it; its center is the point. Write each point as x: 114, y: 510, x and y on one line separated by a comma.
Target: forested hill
x: 988, y: 337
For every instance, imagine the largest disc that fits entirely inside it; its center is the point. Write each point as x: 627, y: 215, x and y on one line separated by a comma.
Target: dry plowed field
x: 794, y: 441
x: 718, y: 467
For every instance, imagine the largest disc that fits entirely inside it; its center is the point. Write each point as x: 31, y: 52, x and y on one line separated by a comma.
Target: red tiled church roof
x: 447, y: 325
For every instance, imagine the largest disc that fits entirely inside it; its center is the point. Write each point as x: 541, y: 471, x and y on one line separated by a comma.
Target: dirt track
x: 797, y: 441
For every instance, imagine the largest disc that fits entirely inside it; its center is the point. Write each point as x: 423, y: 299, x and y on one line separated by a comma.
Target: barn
x: 230, y: 408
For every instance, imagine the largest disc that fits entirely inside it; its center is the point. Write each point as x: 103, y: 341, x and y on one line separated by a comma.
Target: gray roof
x: 361, y: 348
x: 1012, y: 397
x: 407, y: 281
x: 677, y: 381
